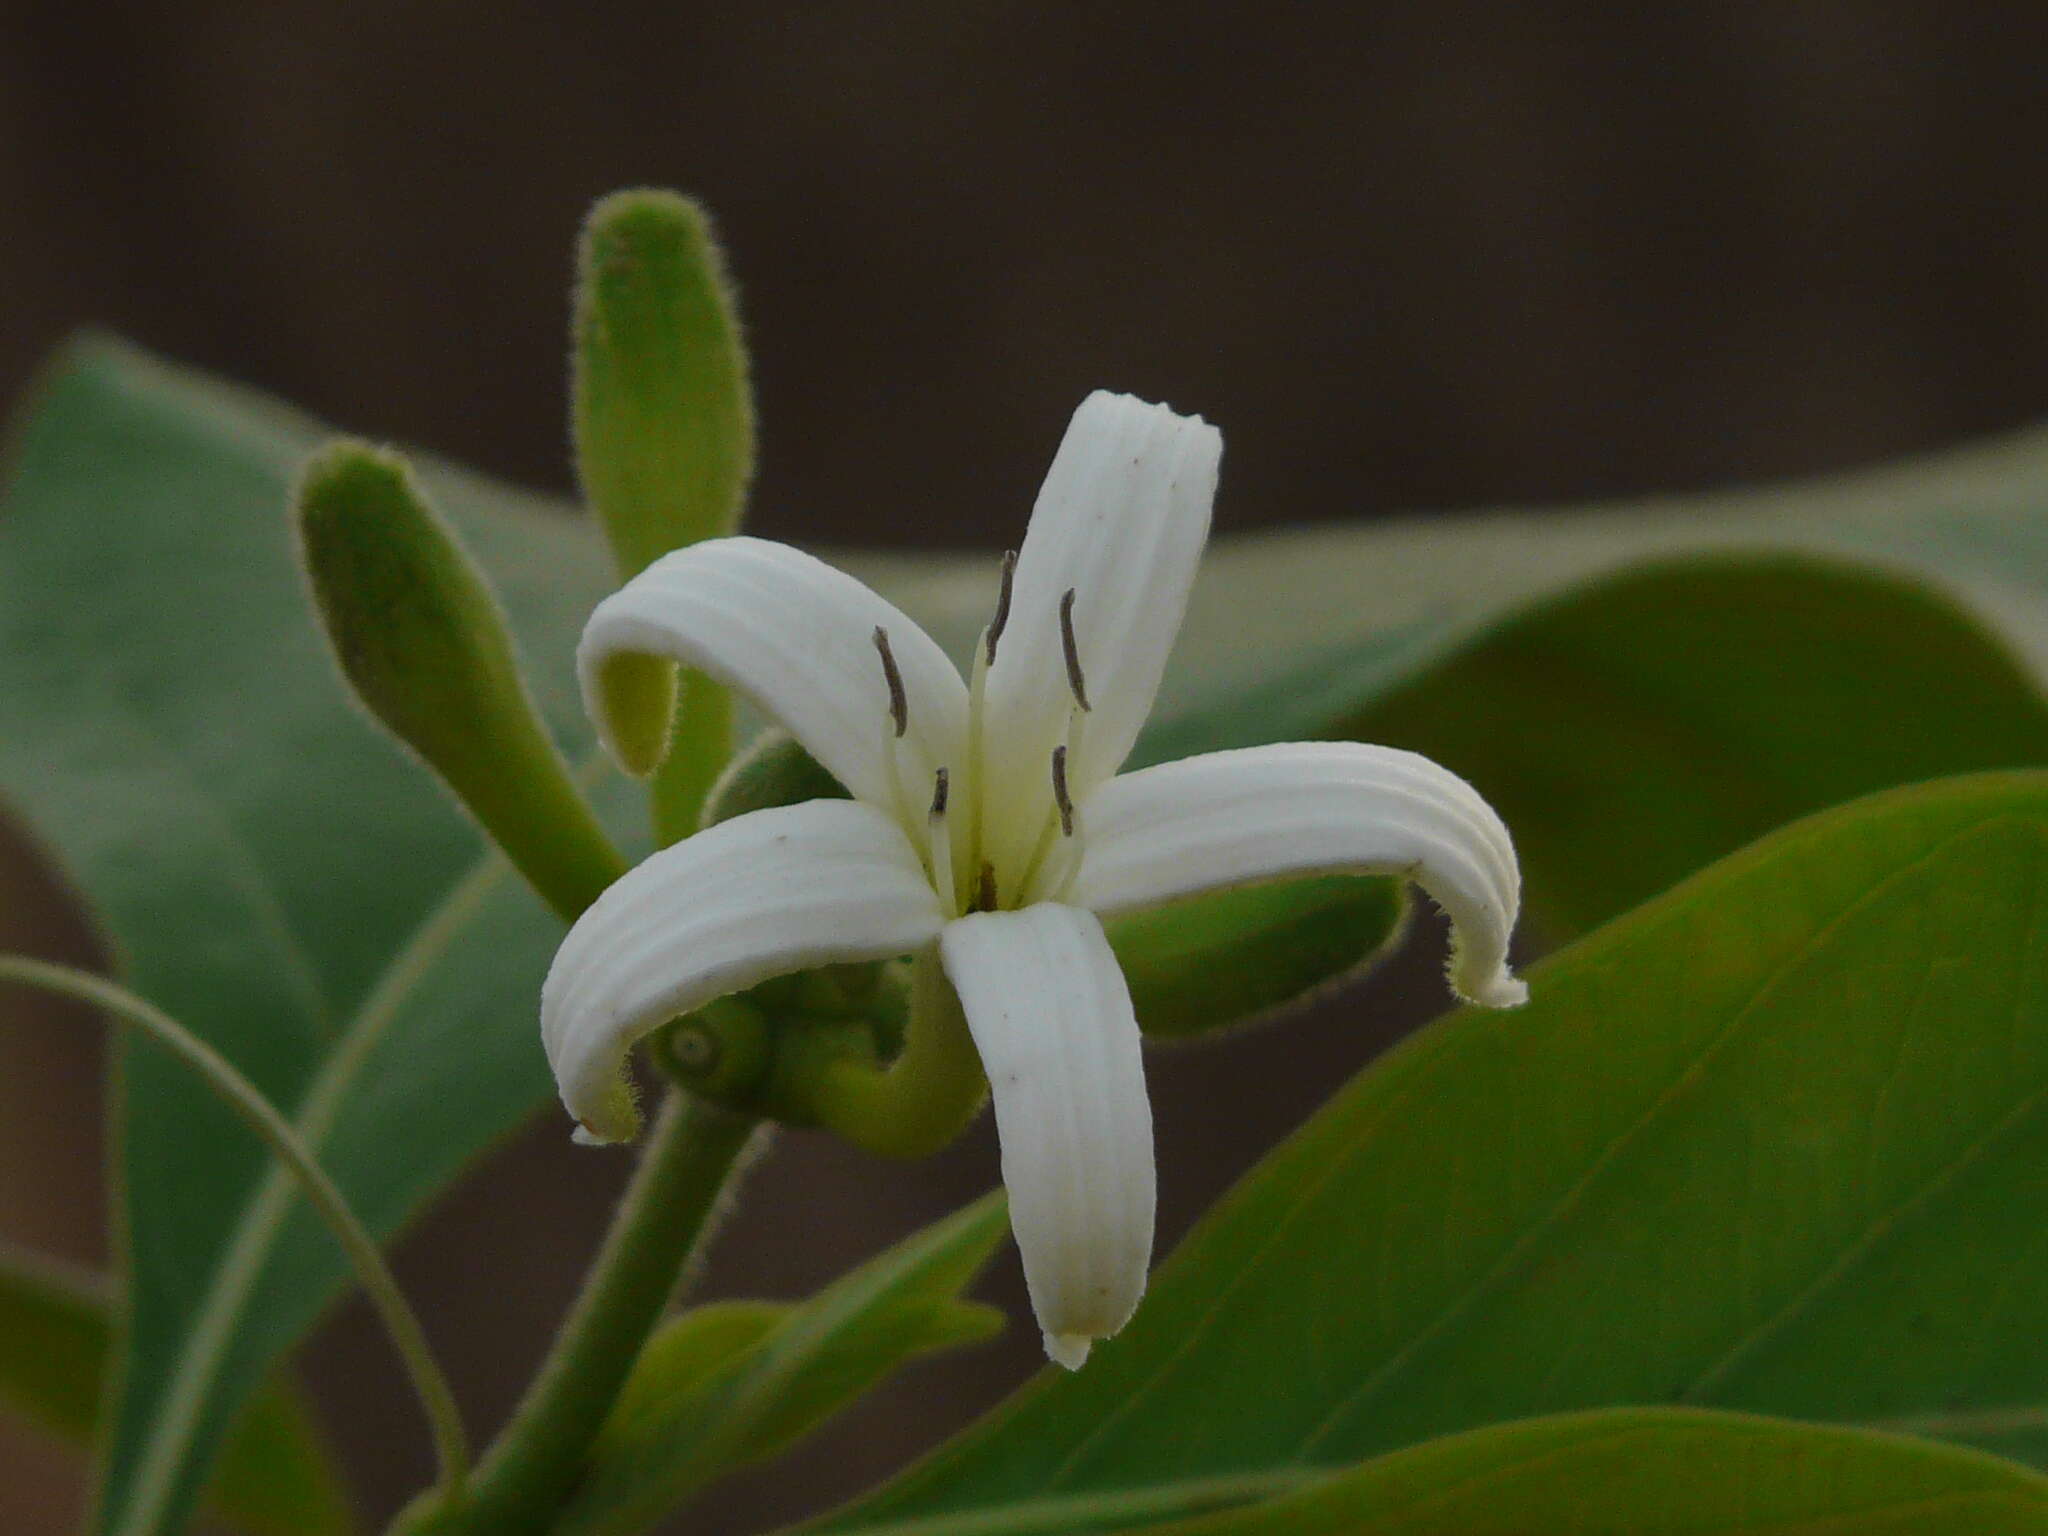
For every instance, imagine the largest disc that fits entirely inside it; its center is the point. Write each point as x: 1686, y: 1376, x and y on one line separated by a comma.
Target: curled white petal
x: 797, y: 637
x: 1230, y: 818
x: 755, y: 897
x: 1052, y: 1019
x: 1120, y: 522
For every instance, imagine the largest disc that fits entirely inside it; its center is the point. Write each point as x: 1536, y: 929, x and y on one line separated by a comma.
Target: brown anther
x: 1059, y: 791
x: 985, y: 892
x: 1074, y: 679
x: 1002, y: 618
x: 899, y: 701
x: 939, y: 794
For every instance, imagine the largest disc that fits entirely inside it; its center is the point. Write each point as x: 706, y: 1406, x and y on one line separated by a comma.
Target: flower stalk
x: 664, y: 1219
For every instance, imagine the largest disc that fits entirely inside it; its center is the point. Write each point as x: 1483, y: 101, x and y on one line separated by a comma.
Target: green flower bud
x: 421, y: 640
x: 664, y: 428
x: 664, y: 418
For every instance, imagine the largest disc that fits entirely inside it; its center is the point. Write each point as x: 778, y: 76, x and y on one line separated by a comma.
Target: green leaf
x: 689, y: 1350
x: 1232, y: 957
x: 1633, y: 731
x: 274, y: 1478
x: 1777, y: 1141
x: 265, y: 863
x: 53, y: 1345
x: 1658, y: 1472
x: 1376, y: 603
x: 725, y: 1386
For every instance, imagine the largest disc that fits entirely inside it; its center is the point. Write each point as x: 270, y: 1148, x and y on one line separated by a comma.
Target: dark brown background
x: 1406, y: 255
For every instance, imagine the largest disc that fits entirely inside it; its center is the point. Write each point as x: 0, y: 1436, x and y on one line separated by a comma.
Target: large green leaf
x: 261, y: 861
x: 1777, y: 1141
x: 1374, y: 602
x: 1611, y: 1472
x: 1633, y: 714
x: 728, y: 1385
x: 274, y: 1477
x: 1635, y: 730
x: 268, y: 868
x: 1658, y: 1472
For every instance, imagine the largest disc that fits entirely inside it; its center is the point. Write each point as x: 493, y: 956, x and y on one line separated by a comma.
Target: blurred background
x: 1408, y: 256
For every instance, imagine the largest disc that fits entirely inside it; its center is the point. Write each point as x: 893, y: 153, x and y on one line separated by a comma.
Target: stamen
x: 977, y: 690
x: 995, y: 625
x: 1074, y: 679
x: 985, y: 897
x: 941, y: 841
x: 1059, y: 791
x: 899, y: 701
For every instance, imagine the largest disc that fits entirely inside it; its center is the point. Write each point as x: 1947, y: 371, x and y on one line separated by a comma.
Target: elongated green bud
x: 422, y: 641
x: 664, y: 416
x: 664, y: 427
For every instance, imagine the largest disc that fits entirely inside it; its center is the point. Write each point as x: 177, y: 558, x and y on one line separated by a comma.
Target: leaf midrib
x: 1531, y: 1236
x: 1693, y: 1077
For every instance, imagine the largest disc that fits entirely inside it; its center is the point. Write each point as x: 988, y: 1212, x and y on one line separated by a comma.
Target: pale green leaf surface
x: 1657, y: 1472
x: 1777, y: 1141
x: 274, y: 1477
x: 1233, y: 956
x: 255, y: 853
x: 688, y: 1350
x: 728, y: 1385
x: 1724, y: 672
x: 1635, y: 730
x: 1381, y: 596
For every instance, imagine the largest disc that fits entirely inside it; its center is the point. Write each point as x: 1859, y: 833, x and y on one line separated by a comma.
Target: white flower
x: 987, y: 818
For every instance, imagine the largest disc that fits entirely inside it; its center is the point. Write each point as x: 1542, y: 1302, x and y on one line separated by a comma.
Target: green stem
x: 451, y: 1446
x: 667, y: 1212
x: 699, y: 743
x: 922, y: 1100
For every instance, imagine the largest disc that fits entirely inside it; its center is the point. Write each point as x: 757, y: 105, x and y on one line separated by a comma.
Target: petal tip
x: 614, y: 1119
x: 1068, y: 1350
x: 1106, y: 402
x: 1501, y: 991
x: 630, y: 696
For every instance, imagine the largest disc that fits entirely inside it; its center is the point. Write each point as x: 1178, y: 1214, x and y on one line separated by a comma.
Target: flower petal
x: 798, y: 637
x: 755, y: 897
x: 1120, y: 523
x: 1306, y: 807
x: 1052, y: 1019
